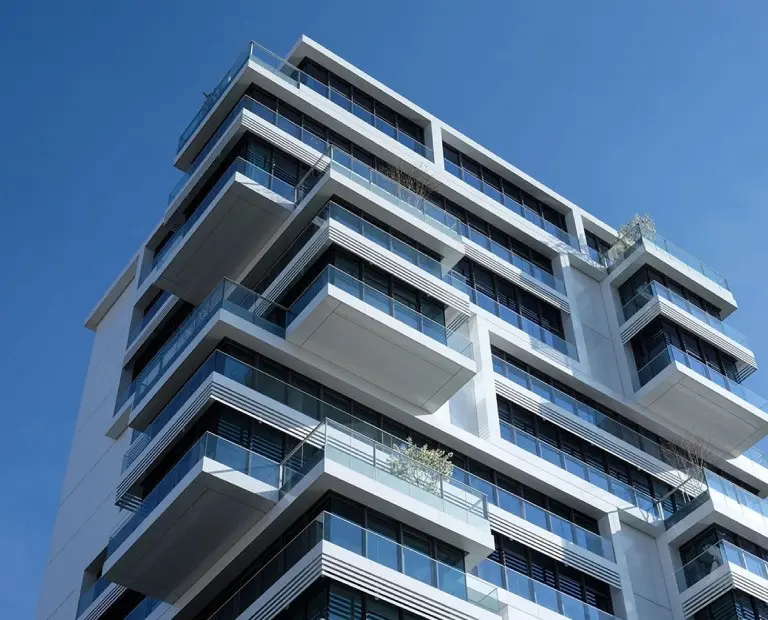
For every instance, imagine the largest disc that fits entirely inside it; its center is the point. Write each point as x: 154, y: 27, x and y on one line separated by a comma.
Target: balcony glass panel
x: 213, y: 447
x: 654, y: 289
x: 537, y: 592
x: 228, y: 296
x: 379, y: 549
x: 639, y: 234
x: 402, y: 197
x: 579, y: 468
x: 540, y: 517
x: 528, y: 268
x: 673, y: 354
x: 335, y: 277
x: 513, y: 205
x: 589, y: 414
x: 387, y: 465
x: 534, y: 330
x: 385, y: 240
x: 139, y: 327
x: 282, y: 68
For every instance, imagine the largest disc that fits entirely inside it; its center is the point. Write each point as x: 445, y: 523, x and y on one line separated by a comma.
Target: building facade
x: 343, y: 285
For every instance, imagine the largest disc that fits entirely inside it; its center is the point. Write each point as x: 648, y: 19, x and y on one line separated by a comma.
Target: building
x: 338, y: 271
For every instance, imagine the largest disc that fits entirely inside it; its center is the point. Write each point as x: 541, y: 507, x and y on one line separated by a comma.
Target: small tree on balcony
x: 640, y: 226
x: 425, y: 467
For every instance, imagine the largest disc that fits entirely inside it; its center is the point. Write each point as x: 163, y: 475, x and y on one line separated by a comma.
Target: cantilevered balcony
x: 214, y: 493
x: 678, y: 388
x: 371, y: 467
x: 227, y: 296
x: 334, y: 547
x: 642, y: 246
x: 242, y: 73
x: 364, y: 331
x: 241, y: 211
x: 654, y: 299
x: 719, y: 568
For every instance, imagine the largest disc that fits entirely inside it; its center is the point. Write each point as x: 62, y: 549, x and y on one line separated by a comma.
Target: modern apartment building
x: 337, y: 272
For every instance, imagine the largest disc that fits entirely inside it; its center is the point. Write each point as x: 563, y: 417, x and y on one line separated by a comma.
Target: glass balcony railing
x: 513, y: 205
x: 595, y: 255
x: 757, y: 455
x: 538, y: 516
x: 538, y: 592
x: 253, y: 172
x: 88, y: 596
x: 389, y: 189
x: 387, y: 241
x: 591, y: 415
x: 227, y: 295
x: 713, y: 558
x: 534, y: 330
x: 744, y: 498
x: 654, y: 289
x: 150, y: 314
x: 144, y: 609
x: 213, y: 97
x: 368, y: 544
x: 209, y: 446
x: 634, y: 239
x: 672, y: 354
x: 387, y: 465
x: 528, y: 268
x: 286, y: 71
x: 381, y: 301
x: 565, y: 461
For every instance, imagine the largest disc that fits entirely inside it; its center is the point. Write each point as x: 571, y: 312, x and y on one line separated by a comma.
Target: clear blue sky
x: 653, y: 106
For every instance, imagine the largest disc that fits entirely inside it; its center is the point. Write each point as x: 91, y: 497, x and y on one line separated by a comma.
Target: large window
x: 555, y: 574
x: 655, y: 337
x: 580, y: 449
x: 516, y: 299
x: 589, y: 402
x: 374, y: 277
x: 488, y: 177
x: 359, y: 103
x: 734, y: 605
x: 596, y: 243
x: 645, y: 275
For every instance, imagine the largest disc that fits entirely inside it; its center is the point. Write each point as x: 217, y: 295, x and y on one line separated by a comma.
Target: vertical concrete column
x: 483, y: 385
x: 433, y: 136
x: 623, y: 602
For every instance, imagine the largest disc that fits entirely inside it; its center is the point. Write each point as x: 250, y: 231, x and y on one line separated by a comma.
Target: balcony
x: 241, y: 211
x: 227, y: 296
x: 641, y: 246
x: 362, y: 330
x: 719, y: 568
x: 654, y: 300
x: 542, y: 339
x: 665, y: 462
x: 217, y: 486
x: 101, y: 590
x: 371, y: 467
x: 679, y: 389
x: 571, y: 242
x: 335, y: 547
x: 578, y: 468
x: 537, y: 592
x: 236, y: 81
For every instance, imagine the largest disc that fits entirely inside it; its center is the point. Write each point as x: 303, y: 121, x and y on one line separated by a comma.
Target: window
x: 511, y: 296
x: 557, y: 575
x: 482, y: 178
x: 596, y: 243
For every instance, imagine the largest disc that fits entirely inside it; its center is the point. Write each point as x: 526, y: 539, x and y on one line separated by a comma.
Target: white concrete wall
x: 86, y: 513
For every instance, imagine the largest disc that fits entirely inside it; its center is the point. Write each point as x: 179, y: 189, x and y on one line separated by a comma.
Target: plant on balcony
x: 640, y: 226
x: 425, y: 467
x: 419, y: 182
